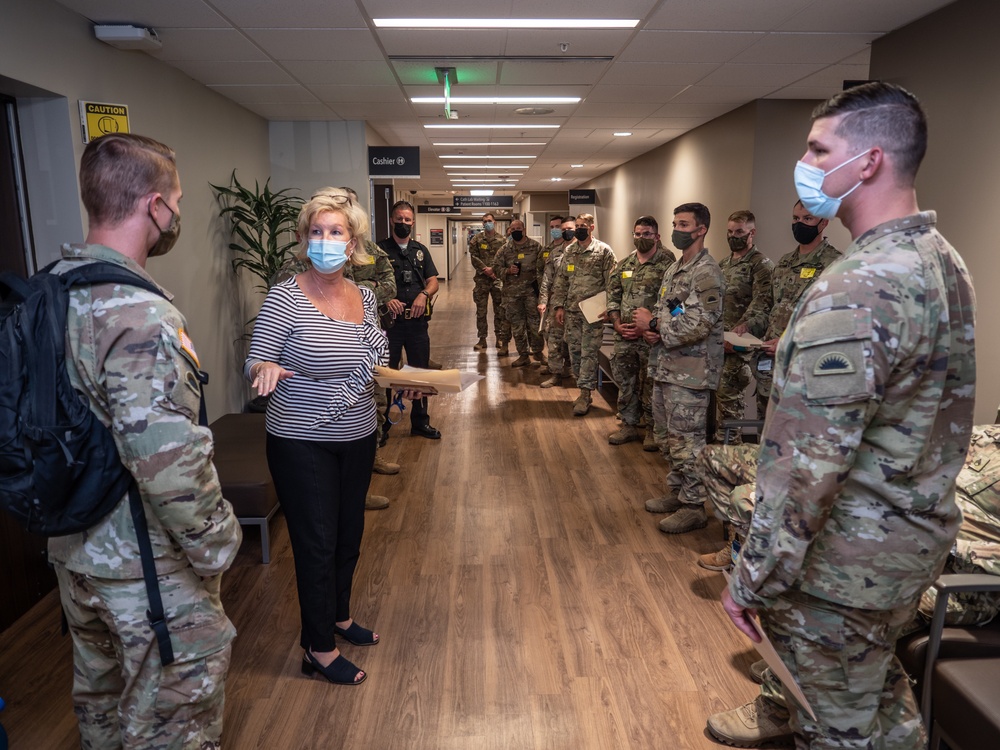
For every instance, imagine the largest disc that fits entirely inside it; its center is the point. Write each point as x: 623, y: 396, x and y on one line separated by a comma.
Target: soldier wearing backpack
x: 129, y: 352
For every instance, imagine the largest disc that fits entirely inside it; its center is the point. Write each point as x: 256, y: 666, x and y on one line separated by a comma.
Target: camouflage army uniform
x: 379, y: 277
x: 584, y: 273
x: 520, y: 293
x: 685, y: 365
x: 792, y: 276
x: 135, y: 363
x: 482, y: 251
x: 748, y: 301
x: 633, y: 285
x: 855, y: 513
x: 729, y: 473
x: 551, y: 264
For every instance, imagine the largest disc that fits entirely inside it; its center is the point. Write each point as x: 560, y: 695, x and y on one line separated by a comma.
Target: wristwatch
x: 654, y: 325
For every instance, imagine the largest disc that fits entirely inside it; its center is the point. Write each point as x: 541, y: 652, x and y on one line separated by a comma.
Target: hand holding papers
x: 742, y: 342
x: 593, y: 308
x: 427, y: 382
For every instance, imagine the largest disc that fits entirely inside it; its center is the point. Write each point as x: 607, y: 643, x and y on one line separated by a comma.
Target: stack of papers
x: 426, y: 381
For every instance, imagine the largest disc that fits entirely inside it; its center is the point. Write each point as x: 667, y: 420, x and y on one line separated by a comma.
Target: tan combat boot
x: 721, y: 560
x: 625, y: 434
x: 555, y: 380
x: 688, y: 518
x: 480, y: 346
x: 582, y: 404
x: 382, y: 466
x: 502, y: 349
x: 376, y: 502
x: 666, y: 504
x: 539, y: 357
x: 757, y: 670
x: 649, y: 442
x: 757, y: 723
x: 521, y: 361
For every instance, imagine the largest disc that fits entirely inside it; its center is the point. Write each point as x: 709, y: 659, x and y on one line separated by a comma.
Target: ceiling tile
x: 861, y: 16
x: 674, y: 123
x: 605, y: 93
x: 725, y: 14
x: 581, y: 41
x: 317, y: 44
x: 688, y: 46
x: 514, y: 73
x: 631, y: 109
x: 834, y: 76
x: 657, y: 74
x: 424, y: 42
x: 219, y: 72
x: 244, y: 94
x: 737, y: 74
x: 358, y: 94
x: 789, y: 47
x: 707, y: 110
x: 721, y: 94
x: 301, y: 14
x: 282, y: 111
x: 357, y: 73
x: 819, y: 93
x: 185, y: 14
x: 364, y: 110
x: 206, y: 44
x: 415, y: 73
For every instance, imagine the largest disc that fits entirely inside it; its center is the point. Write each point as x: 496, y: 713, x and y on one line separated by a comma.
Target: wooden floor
x: 524, y: 597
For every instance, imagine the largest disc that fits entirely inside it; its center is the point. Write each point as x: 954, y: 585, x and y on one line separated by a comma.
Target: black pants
x: 411, y: 334
x: 321, y: 486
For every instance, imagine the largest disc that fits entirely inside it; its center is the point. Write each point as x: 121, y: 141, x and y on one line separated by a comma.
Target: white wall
x: 45, y: 46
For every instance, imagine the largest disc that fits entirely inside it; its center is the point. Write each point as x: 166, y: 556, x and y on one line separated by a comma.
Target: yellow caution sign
x: 100, y: 119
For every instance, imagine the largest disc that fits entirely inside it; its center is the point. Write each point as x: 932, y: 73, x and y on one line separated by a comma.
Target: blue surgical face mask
x: 555, y: 233
x: 488, y: 226
x: 327, y: 256
x: 809, y: 185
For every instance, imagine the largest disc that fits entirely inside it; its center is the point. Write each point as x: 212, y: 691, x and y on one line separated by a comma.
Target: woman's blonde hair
x: 340, y: 201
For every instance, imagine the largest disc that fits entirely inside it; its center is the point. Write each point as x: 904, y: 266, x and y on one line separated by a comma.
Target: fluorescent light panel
x: 484, y: 156
x: 506, y: 23
x: 494, y: 143
x: 496, y: 99
x: 483, y: 193
x: 499, y: 127
x: 487, y: 166
x: 484, y: 174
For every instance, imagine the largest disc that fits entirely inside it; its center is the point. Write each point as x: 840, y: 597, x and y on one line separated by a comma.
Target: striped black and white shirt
x: 331, y: 395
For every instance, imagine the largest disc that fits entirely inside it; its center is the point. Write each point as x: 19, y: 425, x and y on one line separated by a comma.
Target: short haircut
x: 120, y: 168
x: 490, y: 215
x: 587, y: 219
x: 569, y: 218
x: 560, y: 219
x: 516, y: 221
x: 336, y: 200
x: 743, y: 216
x: 403, y: 204
x: 884, y: 115
x: 648, y: 221
x: 702, y: 217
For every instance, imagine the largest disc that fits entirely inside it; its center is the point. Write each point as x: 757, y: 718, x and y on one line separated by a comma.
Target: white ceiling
x: 686, y: 62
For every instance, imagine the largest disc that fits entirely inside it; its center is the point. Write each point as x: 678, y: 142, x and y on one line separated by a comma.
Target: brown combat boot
x: 625, y: 434
x: 481, y: 345
x: 649, y: 442
x: 721, y: 560
x: 521, y: 361
x: 382, y: 466
x: 502, y: 349
x: 582, y: 404
x: 754, y: 724
x: 688, y: 518
x: 666, y: 504
x: 376, y: 502
x: 555, y: 380
x: 757, y: 670
x: 539, y: 357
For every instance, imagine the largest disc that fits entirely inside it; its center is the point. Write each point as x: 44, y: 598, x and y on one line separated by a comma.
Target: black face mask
x: 401, y: 230
x: 803, y: 233
x: 517, y: 235
x: 567, y: 234
x: 582, y: 233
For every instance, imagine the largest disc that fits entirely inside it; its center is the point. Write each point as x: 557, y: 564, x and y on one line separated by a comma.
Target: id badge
x: 765, y: 364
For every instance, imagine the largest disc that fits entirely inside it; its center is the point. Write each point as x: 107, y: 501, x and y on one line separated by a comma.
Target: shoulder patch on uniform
x: 420, y: 254
x: 833, y: 363
x: 188, y: 346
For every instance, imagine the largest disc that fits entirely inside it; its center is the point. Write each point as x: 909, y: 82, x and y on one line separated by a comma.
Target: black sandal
x: 357, y: 635
x: 340, y: 671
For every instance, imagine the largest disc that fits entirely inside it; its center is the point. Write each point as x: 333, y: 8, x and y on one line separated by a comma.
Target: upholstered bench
x: 241, y: 461
x: 966, y: 704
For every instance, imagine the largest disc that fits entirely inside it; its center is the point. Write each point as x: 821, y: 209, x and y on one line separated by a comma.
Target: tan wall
x: 46, y: 46
x: 948, y: 60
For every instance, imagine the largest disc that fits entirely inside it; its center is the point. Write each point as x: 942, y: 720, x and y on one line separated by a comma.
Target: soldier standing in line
x: 866, y: 432
x: 517, y: 260
x: 685, y: 361
x: 133, y: 361
x: 587, y: 266
x: 554, y: 247
x: 793, y: 274
x: 634, y: 283
x: 555, y: 332
x: 483, y: 248
x: 747, y: 274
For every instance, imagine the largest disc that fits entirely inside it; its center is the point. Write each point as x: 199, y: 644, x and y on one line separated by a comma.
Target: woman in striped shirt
x: 315, y: 344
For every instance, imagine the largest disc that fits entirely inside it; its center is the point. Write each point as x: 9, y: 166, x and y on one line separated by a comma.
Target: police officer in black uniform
x: 416, y: 283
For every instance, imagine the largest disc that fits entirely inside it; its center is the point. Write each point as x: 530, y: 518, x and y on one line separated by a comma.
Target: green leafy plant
x: 262, y: 223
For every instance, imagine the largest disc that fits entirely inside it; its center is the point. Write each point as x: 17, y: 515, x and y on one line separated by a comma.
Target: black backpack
x: 60, y: 472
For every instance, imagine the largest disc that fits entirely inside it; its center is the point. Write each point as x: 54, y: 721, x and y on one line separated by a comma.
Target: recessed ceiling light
x: 481, y: 192
x: 483, y: 156
x: 488, y: 166
x: 623, y: 133
x: 576, y: 166
x: 496, y: 99
x: 494, y: 143
x: 518, y: 126
x: 556, y: 179
x: 506, y: 23
x: 485, y: 174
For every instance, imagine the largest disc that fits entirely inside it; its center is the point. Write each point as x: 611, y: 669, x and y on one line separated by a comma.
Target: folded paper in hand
x: 593, y: 308
x: 425, y: 381
x: 747, y: 340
